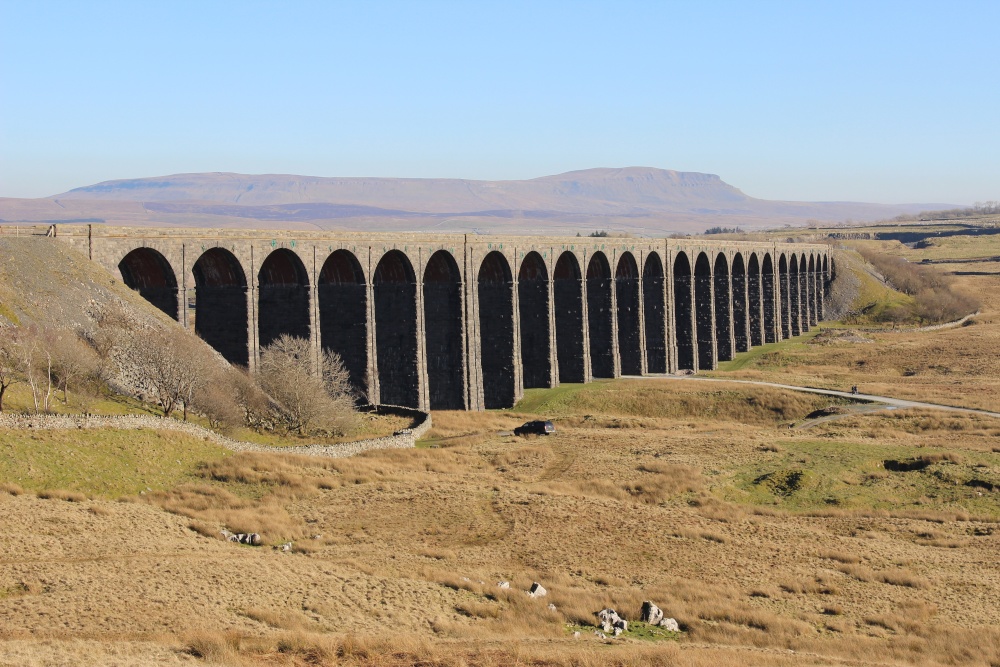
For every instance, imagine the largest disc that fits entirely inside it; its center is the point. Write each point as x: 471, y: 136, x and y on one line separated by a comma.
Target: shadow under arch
x: 148, y: 272
x: 221, y: 309
x: 282, y: 297
x: 783, y: 309
x: 654, y: 319
x: 567, y: 288
x: 741, y: 333
x: 343, y: 315
x: 599, y: 316
x: 811, y: 278
x: 443, y: 332
x: 703, y: 308
x: 533, y: 307
x: 496, y: 330
x: 754, y: 302
x: 794, y: 297
x: 723, y: 306
x: 627, y: 312
x: 394, y: 289
x: 769, y: 300
x: 684, y: 312
x: 804, y: 305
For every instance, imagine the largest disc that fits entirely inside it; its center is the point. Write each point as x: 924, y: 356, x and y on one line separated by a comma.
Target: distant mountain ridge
x: 634, y: 189
x: 642, y: 200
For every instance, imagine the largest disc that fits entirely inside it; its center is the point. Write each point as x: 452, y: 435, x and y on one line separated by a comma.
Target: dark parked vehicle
x: 535, y: 428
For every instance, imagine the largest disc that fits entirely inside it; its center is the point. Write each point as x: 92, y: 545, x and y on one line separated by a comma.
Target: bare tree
x: 171, y: 364
x: 72, y: 361
x: 309, y: 398
x: 9, y: 362
x: 33, y: 350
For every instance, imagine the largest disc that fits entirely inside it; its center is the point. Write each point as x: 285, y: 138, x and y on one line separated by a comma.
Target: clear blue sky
x: 867, y: 101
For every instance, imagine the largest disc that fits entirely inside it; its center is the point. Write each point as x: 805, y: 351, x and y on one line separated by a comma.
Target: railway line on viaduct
x: 454, y: 321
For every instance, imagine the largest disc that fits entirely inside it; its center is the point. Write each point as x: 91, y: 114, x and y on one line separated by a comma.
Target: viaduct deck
x: 454, y: 321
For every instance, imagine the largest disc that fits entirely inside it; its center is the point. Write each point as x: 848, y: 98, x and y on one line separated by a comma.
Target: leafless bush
x: 216, y: 399
x: 173, y: 366
x: 72, y: 361
x: 309, y: 398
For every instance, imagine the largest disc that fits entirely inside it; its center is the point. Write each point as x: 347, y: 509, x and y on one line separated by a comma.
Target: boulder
x: 537, y: 591
x: 670, y: 624
x: 253, y: 539
x: 610, y: 620
x: 552, y: 607
x: 651, y: 613
x: 503, y: 584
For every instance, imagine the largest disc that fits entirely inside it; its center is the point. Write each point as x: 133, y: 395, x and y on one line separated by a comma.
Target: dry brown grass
x: 413, y: 543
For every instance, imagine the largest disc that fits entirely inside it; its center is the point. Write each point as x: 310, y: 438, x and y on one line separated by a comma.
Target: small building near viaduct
x: 467, y: 322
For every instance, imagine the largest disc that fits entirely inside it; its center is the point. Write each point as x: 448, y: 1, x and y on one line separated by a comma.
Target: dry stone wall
x: 403, y: 439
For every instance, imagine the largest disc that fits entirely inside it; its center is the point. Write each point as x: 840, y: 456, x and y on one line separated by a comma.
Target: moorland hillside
x: 640, y: 200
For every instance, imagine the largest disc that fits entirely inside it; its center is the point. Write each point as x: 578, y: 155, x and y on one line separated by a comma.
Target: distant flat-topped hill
x: 641, y: 200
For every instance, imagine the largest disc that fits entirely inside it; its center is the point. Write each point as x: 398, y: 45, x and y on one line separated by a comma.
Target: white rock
x: 670, y: 624
x: 503, y: 584
x: 600, y: 635
x: 618, y: 631
x: 576, y: 635
x: 651, y: 613
x: 552, y: 607
x: 537, y: 591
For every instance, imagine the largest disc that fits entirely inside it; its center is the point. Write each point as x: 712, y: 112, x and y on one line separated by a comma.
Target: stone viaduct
x: 454, y: 321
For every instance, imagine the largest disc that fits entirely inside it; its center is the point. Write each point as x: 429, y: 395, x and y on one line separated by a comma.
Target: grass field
x: 866, y: 540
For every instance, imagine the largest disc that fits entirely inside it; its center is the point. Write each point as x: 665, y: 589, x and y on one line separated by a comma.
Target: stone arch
x: 811, y: 277
x: 783, y: 303
x: 282, y: 297
x: 703, y: 309
x: 599, y: 316
x: 684, y: 313
x: 722, y: 294
x: 496, y: 330
x: 655, y: 323
x: 221, y: 312
x: 394, y: 288
x: 803, y: 294
x: 567, y: 288
x: 769, y: 304
x: 148, y: 272
x: 343, y: 314
x: 794, y: 296
x: 627, y: 311
x: 755, y: 306
x: 443, y: 332
x: 533, y: 306
x: 741, y: 333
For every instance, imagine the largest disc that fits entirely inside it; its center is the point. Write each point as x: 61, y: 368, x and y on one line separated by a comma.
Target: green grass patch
x: 9, y: 315
x: 768, y: 355
x: 103, y: 462
x: 812, y: 475
x: 557, y: 399
x: 672, y: 399
x: 636, y: 630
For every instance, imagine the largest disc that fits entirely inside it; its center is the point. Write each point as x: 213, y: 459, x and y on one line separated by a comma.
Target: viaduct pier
x: 455, y: 321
